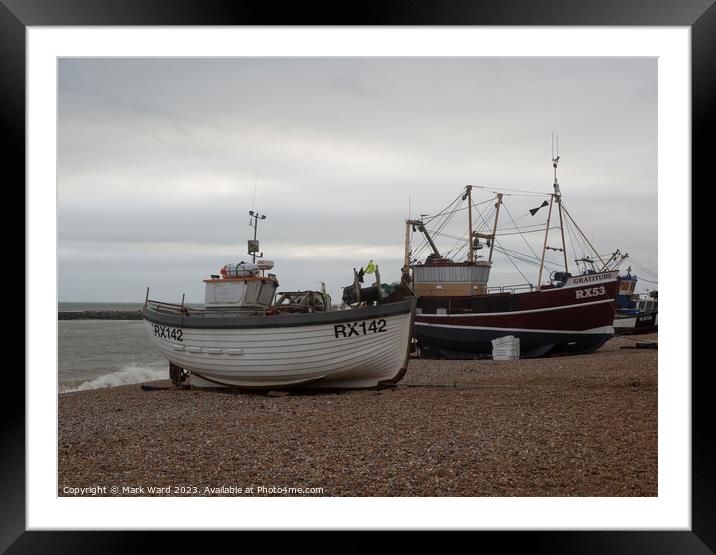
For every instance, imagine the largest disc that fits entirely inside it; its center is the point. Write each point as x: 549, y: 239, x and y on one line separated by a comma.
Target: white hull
x: 290, y: 356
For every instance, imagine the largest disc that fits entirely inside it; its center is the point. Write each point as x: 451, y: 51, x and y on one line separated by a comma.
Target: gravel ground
x: 581, y: 425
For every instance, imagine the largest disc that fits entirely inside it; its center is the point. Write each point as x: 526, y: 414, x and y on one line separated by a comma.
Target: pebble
x: 584, y: 425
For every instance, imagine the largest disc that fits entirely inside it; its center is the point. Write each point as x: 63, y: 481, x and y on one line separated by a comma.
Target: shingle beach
x: 582, y: 425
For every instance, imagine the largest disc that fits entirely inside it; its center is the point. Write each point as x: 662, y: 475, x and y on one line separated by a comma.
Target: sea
x: 105, y: 353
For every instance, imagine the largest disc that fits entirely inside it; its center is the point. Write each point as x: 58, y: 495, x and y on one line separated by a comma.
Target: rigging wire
x: 429, y: 218
x: 460, y: 242
x: 445, y: 211
x: 528, y: 231
x: 448, y: 216
x: 517, y: 268
x: 449, y: 236
x: 520, y: 233
x: 649, y: 272
x: 524, y: 227
x: 528, y: 259
x: 511, y: 255
x: 497, y: 244
x: 437, y: 232
x: 579, y: 239
x: 582, y: 233
x: 443, y: 218
x: 495, y: 190
x: 571, y: 242
x: 523, y: 216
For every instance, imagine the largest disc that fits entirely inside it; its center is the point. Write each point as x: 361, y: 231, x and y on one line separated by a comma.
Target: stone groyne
x: 101, y: 315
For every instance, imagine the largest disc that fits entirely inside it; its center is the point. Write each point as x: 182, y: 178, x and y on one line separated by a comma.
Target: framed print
x: 171, y: 134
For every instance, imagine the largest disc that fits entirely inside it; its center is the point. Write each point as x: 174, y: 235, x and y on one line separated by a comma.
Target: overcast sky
x: 158, y: 161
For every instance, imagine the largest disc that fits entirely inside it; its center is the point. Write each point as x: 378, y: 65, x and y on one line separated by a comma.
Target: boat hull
x: 575, y: 318
x: 358, y: 348
x: 634, y: 324
x: 474, y: 342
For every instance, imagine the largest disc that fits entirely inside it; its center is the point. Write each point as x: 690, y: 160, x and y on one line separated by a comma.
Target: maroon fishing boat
x: 575, y: 315
x: 458, y: 315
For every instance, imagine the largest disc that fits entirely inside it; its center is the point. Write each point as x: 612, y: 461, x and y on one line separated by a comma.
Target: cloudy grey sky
x: 157, y: 161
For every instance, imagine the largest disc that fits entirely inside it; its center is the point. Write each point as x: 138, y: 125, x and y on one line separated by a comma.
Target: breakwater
x: 100, y: 315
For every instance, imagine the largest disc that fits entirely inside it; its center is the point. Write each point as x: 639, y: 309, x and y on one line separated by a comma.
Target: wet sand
x: 583, y: 425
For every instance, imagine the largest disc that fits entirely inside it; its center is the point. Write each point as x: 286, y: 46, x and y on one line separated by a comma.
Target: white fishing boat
x: 242, y: 338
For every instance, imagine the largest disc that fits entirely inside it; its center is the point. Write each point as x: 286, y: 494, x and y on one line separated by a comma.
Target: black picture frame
x: 699, y: 15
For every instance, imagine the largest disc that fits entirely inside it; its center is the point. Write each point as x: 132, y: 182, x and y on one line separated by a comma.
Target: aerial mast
x: 406, y: 256
x: 544, y: 246
x: 555, y: 196
x: 558, y: 196
x: 494, y: 227
x: 254, y: 244
x: 489, y: 237
x: 471, y: 248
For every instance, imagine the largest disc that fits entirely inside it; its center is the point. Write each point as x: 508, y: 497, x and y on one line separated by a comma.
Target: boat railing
x: 164, y: 307
x: 511, y: 288
x: 169, y: 308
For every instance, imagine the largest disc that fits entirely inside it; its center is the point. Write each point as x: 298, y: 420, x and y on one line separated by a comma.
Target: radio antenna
x: 253, y: 200
x: 555, y: 160
x: 254, y: 244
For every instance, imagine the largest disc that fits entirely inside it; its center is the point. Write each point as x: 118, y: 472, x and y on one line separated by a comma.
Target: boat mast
x: 558, y: 198
x: 544, y: 246
x: 406, y: 258
x: 557, y: 195
x: 490, y: 237
x: 471, y: 248
x: 254, y: 245
x: 494, y: 227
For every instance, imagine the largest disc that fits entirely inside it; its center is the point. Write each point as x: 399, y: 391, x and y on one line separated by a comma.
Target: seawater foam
x: 128, y: 375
